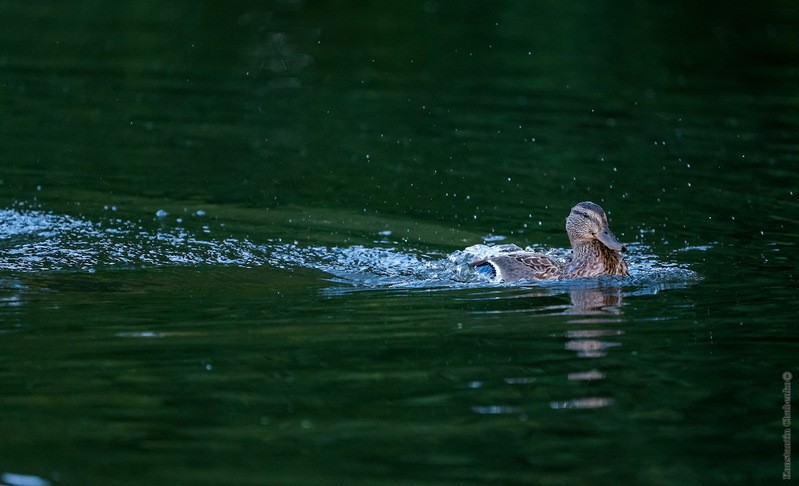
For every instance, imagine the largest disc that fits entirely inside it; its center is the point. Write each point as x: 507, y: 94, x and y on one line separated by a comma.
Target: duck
x: 595, y: 251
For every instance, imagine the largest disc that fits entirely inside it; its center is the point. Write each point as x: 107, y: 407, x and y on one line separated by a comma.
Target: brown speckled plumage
x: 595, y: 252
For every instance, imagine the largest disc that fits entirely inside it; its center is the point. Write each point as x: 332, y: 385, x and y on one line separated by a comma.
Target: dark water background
x: 231, y: 241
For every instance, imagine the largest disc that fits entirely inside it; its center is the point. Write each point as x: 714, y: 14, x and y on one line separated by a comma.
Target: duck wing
x: 521, y: 266
x: 544, y: 267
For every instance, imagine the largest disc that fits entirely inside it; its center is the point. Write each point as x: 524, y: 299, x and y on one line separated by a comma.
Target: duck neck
x: 586, y: 250
x: 593, y: 257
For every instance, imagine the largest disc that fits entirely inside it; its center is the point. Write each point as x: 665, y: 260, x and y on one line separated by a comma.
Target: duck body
x: 595, y: 252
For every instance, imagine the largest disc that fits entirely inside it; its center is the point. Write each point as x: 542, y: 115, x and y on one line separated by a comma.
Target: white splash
x: 39, y: 241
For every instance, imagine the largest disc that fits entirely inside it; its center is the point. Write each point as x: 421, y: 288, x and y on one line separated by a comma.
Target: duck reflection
x: 584, y: 299
x: 587, y: 343
x: 602, y: 308
x: 595, y: 300
x: 596, y: 303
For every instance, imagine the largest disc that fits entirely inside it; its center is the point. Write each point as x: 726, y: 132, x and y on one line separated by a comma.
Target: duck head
x: 586, y: 223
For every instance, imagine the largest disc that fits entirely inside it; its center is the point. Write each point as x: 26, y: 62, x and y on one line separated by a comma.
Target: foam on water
x: 38, y: 241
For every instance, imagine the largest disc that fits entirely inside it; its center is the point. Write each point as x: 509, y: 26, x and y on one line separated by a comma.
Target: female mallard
x: 595, y: 252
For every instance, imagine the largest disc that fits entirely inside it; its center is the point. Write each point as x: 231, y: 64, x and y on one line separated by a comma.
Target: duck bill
x: 609, y: 239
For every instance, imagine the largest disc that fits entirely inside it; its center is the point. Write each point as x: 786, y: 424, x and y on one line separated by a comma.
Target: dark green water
x: 231, y: 234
